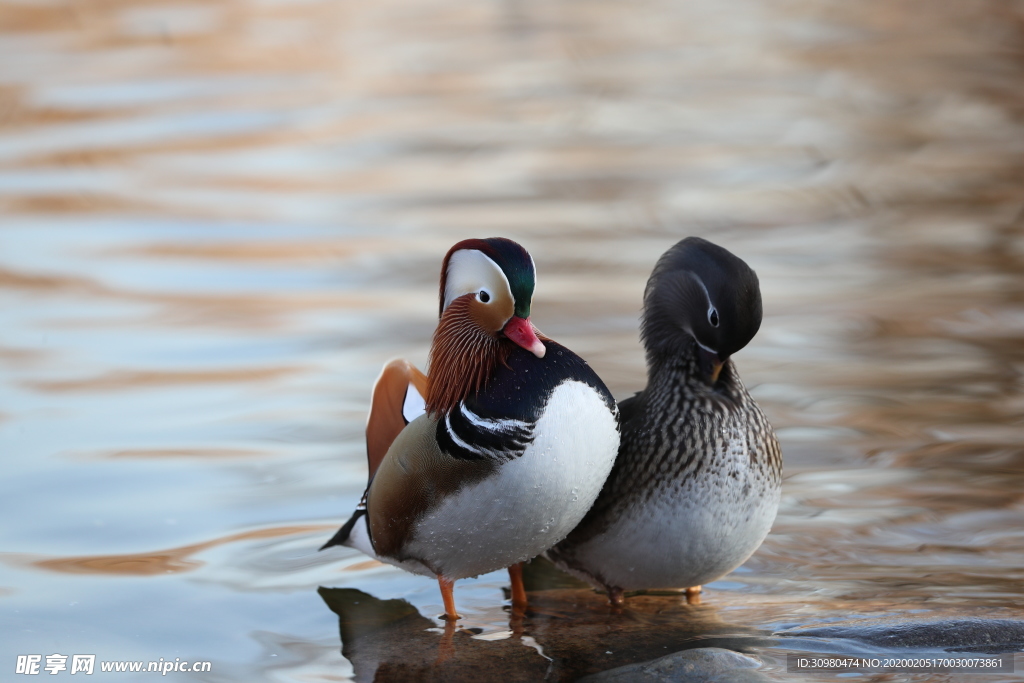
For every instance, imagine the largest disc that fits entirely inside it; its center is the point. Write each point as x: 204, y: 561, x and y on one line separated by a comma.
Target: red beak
x: 520, y: 331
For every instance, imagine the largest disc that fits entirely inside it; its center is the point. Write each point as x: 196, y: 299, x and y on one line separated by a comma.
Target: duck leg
x: 693, y: 595
x: 448, y: 596
x: 515, y: 573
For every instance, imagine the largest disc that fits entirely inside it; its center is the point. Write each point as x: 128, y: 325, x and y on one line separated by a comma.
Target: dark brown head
x: 702, y: 293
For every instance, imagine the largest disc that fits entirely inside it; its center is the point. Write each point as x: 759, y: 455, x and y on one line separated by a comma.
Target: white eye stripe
x: 709, y: 350
x: 705, y: 289
x: 711, y: 306
x: 470, y: 271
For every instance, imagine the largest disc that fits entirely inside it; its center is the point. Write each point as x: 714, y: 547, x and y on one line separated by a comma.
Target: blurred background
x: 219, y: 219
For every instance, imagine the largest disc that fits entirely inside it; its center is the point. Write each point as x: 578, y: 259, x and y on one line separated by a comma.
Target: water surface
x: 221, y: 218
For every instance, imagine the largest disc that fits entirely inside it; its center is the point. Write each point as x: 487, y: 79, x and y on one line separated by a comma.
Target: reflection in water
x: 115, y: 381
x: 567, y: 633
x: 168, y: 561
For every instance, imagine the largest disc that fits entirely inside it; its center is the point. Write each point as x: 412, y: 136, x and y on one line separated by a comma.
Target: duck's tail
x: 355, y: 533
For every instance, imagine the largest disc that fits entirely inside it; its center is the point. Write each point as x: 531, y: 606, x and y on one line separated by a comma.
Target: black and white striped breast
x: 498, y: 423
x: 467, y: 435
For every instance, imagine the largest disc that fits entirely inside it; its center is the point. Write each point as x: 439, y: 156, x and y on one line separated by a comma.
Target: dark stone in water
x: 990, y: 636
x: 702, y: 664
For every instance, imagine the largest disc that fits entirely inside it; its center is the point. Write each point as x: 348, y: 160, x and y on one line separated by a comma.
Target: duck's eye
x: 713, y: 317
x: 483, y: 296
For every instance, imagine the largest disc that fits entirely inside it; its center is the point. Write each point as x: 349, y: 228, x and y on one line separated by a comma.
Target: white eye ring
x: 713, y: 316
x: 483, y: 296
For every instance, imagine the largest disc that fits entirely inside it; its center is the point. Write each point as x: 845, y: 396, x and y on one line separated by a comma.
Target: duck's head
x: 704, y: 293
x: 489, y: 283
x: 486, y: 290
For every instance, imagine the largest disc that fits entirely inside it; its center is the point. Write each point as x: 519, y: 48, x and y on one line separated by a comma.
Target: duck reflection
x: 568, y: 632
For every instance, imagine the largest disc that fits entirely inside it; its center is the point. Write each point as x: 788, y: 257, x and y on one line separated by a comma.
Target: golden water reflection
x: 222, y: 218
x: 170, y: 561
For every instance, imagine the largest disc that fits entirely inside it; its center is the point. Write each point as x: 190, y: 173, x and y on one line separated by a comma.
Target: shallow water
x: 220, y: 219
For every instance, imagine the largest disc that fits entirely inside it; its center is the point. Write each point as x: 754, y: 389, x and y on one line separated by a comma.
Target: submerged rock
x: 972, y: 634
x: 687, y: 666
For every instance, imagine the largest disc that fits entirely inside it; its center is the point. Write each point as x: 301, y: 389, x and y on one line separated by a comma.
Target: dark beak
x: 710, y: 364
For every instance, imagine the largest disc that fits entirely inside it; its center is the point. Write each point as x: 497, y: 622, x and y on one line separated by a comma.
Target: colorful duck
x: 517, y: 437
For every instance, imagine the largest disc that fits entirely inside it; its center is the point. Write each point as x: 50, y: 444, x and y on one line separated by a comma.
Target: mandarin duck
x: 696, y: 485
x: 495, y: 455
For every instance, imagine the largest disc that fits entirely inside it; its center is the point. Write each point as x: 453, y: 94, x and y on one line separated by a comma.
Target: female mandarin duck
x: 696, y: 485
x: 518, y: 436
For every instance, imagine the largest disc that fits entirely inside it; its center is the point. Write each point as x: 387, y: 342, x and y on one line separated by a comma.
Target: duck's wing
x: 397, y: 400
x: 416, y: 476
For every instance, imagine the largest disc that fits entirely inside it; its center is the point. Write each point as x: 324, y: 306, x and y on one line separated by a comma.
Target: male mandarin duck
x: 517, y: 437
x: 696, y: 486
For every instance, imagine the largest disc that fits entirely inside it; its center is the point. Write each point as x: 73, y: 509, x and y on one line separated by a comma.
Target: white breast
x: 688, y: 535
x: 531, y: 502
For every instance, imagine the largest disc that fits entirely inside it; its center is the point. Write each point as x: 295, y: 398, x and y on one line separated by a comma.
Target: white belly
x: 531, y: 502
x: 690, y: 535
